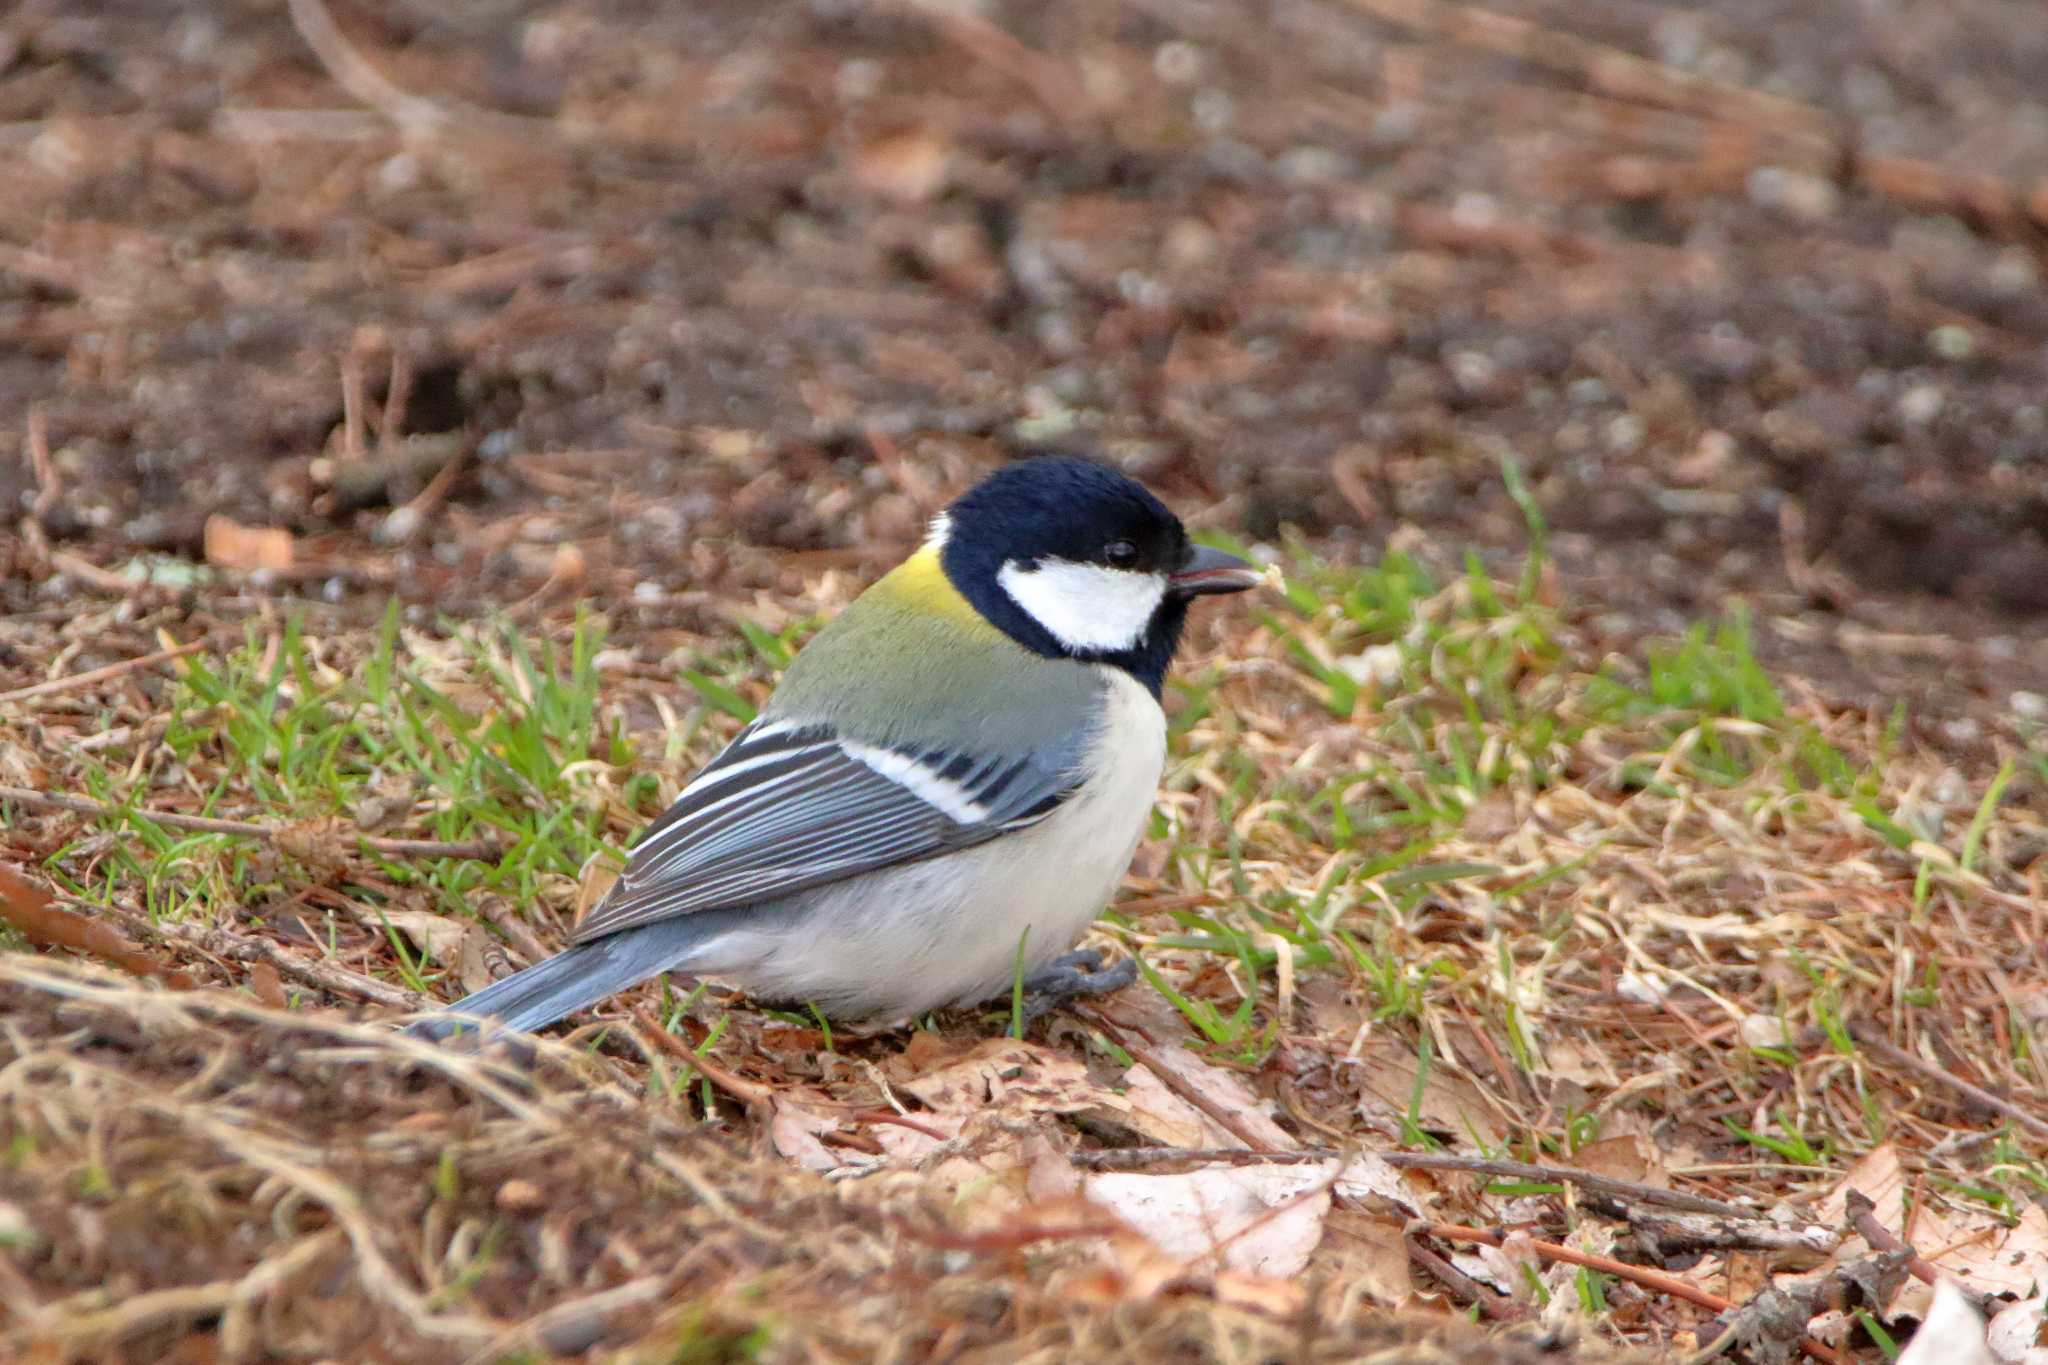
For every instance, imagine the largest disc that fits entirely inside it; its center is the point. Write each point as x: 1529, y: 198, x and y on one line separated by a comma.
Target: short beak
x: 1207, y: 570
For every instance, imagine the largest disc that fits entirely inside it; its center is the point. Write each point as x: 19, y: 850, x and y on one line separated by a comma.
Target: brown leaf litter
x: 194, y: 1176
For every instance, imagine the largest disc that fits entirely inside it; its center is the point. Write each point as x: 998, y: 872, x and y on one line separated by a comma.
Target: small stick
x: 352, y: 71
x: 99, y: 675
x: 1863, y: 1217
x: 1149, y: 1058
x: 747, y: 1092
x: 1601, y: 66
x: 1125, y: 1158
x: 352, y: 400
x: 405, y: 522
x: 479, y: 850
x: 1867, y: 1034
x: 572, y: 1322
x: 1490, y: 1302
x: 899, y: 1120
x: 396, y: 394
x: 83, y: 569
x: 49, y: 484
x: 326, y: 976
x: 1716, y: 1348
x: 1642, y: 1275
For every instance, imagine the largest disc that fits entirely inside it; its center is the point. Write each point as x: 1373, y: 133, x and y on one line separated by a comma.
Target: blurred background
x: 469, y: 302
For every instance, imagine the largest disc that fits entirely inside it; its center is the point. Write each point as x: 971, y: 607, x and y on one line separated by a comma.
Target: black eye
x: 1120, y: 554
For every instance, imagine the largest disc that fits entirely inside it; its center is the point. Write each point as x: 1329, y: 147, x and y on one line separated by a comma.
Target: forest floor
x: 1611, y: 846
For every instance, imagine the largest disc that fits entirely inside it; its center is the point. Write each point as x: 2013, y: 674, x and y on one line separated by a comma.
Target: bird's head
x: 1072, y: 559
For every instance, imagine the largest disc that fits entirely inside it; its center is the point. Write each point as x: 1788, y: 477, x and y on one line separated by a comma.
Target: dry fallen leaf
x: 796, y: 1130
x: 1226, y: 1092
x: 1568, y: 1059
x: 1260, y: 1293
x: 1449, y: 1103
x: 1975, y: 1246
x: 35, y: 915
x: 456, y: 944
x: 1630, y: 1156
x: 1010, y: 1074
x: 1364, y: 1253
x: 1166, y: 1118
x: 1367, y: 1180
x: 1953, y: 1333
x: 231, y: 545
x: 1257, y: 1220
x: 2016, y: 1332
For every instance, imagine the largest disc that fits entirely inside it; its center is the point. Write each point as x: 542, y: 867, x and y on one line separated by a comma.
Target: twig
x: 1716, y: 1348
x: 287, y: 125
x: 266, y: 1279
x: 1147, y: 1055
x: 1603, y: 67
x: 352, y: 399
x: 993, y: 46
x: 571, y: 1328
x: 353, y: 72
x: 1490, y: 1302
x: 1125, y: 1158
x: 100, y: 675
x: 899, y: 1120
x: 234, y: 947
x: 49, y: 484
x: 406, y: 522
x: 1001, y: 1239
x: 412, y: 114
x: 480, y: 850
x: 397, y: 392
x: 1869, y: 1036
x: 1642, y: 1275
x: 145, y: 1312
x: 1664, y: 1238
x: 118, y: 585
x: 745, y: 1091
x: 1863, y: 1217
x: 1599, y: 1184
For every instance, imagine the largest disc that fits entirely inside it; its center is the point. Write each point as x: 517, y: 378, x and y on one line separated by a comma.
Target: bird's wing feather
x: 791, y: 805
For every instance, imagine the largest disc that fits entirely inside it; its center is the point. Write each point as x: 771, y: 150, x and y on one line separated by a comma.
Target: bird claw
x: 1075, y: 976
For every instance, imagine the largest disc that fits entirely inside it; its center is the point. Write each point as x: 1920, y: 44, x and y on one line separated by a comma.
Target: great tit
x: 946, y: 787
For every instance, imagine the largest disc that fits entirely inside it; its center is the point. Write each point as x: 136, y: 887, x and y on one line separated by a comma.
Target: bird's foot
x: 1074, y: 977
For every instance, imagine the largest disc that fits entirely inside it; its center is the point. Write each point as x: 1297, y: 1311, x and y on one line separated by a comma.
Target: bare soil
x: 662, y: 278
x: 495, y: 307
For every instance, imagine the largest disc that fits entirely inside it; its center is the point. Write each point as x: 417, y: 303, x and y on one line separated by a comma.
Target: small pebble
x: 517, y: 1196
x: 1805, y: 197
x: 1920, y: 405
x: 1952, y: 342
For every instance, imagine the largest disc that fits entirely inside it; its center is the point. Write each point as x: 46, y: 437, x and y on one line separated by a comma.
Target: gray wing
x: 791, y: 805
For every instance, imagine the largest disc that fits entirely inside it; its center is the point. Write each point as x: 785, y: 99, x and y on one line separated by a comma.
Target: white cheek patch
x: 1086, y: 607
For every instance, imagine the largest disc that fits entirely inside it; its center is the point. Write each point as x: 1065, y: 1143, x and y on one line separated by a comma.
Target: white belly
x: 950, y: 930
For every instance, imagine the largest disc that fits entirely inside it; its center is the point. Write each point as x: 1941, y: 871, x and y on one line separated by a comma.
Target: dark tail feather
x: 569, y: 981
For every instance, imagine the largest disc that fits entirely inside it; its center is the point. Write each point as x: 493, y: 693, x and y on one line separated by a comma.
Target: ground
x: 439, y: 427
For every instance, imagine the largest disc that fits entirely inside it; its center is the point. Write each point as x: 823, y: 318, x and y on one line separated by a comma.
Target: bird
x: 943, y: 791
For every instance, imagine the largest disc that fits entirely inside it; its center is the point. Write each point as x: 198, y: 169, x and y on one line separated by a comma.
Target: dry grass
x: 193, y: 1176
x: 1428, y: 874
